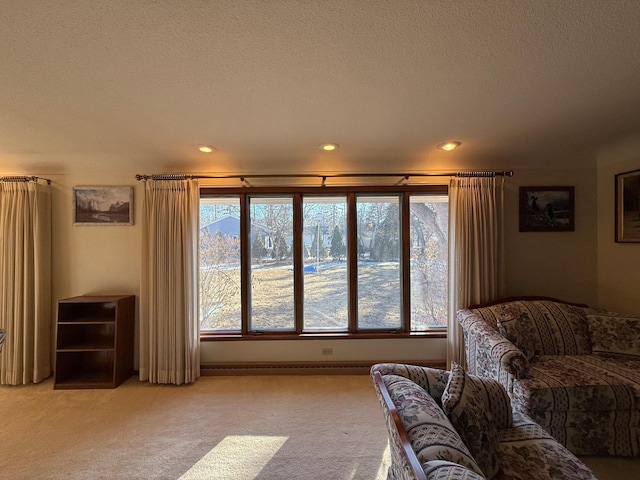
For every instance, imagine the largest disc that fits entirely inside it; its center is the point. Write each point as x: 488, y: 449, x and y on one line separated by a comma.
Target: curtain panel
x: 169, y: 319
x: 476, y: 250
x: 25, y: 282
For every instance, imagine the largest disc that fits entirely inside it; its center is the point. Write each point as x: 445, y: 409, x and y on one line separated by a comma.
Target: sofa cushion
x: 551, y: 328
x: 430, y: 432
x: 613, y: 333
x: 465, y: 403
x: 624, y: 366
x: 573, y: 382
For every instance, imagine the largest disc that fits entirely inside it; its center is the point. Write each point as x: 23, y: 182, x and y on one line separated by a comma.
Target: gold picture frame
x: 628, y: 207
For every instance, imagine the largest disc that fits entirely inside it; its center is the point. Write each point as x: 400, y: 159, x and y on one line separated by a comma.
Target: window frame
x: 351, y: 193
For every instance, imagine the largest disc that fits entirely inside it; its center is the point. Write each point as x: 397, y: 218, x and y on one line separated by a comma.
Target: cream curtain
x: 25, y: 282
x: 476, y: 250
x: 169, y: 323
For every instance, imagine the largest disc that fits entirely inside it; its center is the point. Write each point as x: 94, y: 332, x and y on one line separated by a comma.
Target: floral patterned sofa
x: 573, y: 370
x: 450, y: 425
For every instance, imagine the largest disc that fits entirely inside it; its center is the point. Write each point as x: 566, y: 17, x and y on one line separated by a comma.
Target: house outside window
x: 342, y: 261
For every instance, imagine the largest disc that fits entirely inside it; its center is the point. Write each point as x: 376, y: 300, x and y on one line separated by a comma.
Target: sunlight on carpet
x: 236, y: 457
x: 384, y: 464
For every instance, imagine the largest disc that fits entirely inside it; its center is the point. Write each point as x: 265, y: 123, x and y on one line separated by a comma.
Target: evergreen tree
x: 280, y: 249
x: 338, y: 249
x: 385, y: 246
x: 258, y: 250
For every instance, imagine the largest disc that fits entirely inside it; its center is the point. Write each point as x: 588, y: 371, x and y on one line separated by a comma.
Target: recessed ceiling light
x: 449, y: 146
x: 329, y: 147
x: 206, y: 149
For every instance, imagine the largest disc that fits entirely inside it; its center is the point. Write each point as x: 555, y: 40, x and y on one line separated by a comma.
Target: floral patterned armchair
x: 572, y: 369
x: 450, y: 425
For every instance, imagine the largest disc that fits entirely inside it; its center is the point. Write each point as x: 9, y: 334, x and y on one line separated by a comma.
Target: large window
x: 379, y: 268
x: 272, y: 306
x: 326, y: 300
x: 220, y: 292
x: 323, y: 261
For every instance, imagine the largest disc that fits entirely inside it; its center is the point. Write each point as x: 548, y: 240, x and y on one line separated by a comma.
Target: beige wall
x: 93, y: 260
x: 106, y: 260
x: 618, y: 263
x: 99, y: 260
x: 555, y: 264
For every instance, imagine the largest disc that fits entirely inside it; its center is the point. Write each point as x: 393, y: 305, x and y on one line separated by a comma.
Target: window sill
x: 230, y: 336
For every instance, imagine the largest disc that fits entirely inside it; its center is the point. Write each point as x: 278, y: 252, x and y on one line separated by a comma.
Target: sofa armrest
x: 404, y: 459
x: 487, y: 351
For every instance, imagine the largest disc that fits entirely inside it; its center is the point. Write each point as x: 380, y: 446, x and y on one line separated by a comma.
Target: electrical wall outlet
x: 327, y: 351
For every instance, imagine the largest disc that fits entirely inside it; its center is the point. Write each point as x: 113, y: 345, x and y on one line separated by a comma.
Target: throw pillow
x: 612, y: 333
x: 520, y: 331
x: 496, y: 399
x: 469, y: 413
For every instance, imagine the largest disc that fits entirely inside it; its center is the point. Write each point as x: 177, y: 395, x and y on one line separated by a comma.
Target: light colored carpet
x: 268, y: 428
x: 227, y: 428
x: 614, y: 468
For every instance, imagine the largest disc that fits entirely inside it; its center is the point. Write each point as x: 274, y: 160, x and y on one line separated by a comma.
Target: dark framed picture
x: 547, y: 209
x: 103, y: 205
x: 628, y: 207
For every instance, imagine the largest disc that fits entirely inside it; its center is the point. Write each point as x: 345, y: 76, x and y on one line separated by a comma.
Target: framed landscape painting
x: 547, y: 209
x: 103, y: 205
x: 628, y: 207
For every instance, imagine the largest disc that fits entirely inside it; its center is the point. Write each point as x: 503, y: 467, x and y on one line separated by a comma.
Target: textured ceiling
x: 520, y: 83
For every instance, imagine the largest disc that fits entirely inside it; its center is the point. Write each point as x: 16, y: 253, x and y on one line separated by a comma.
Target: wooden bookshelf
x: 94, y: 343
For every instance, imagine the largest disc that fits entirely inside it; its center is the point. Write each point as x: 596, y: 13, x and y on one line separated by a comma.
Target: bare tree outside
x: 219, y: 281
x: 220, y: 301
x: 429, y: 262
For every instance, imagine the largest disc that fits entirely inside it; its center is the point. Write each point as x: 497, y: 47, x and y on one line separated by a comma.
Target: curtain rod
x: 23, y: 178
x: 406, y: 176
